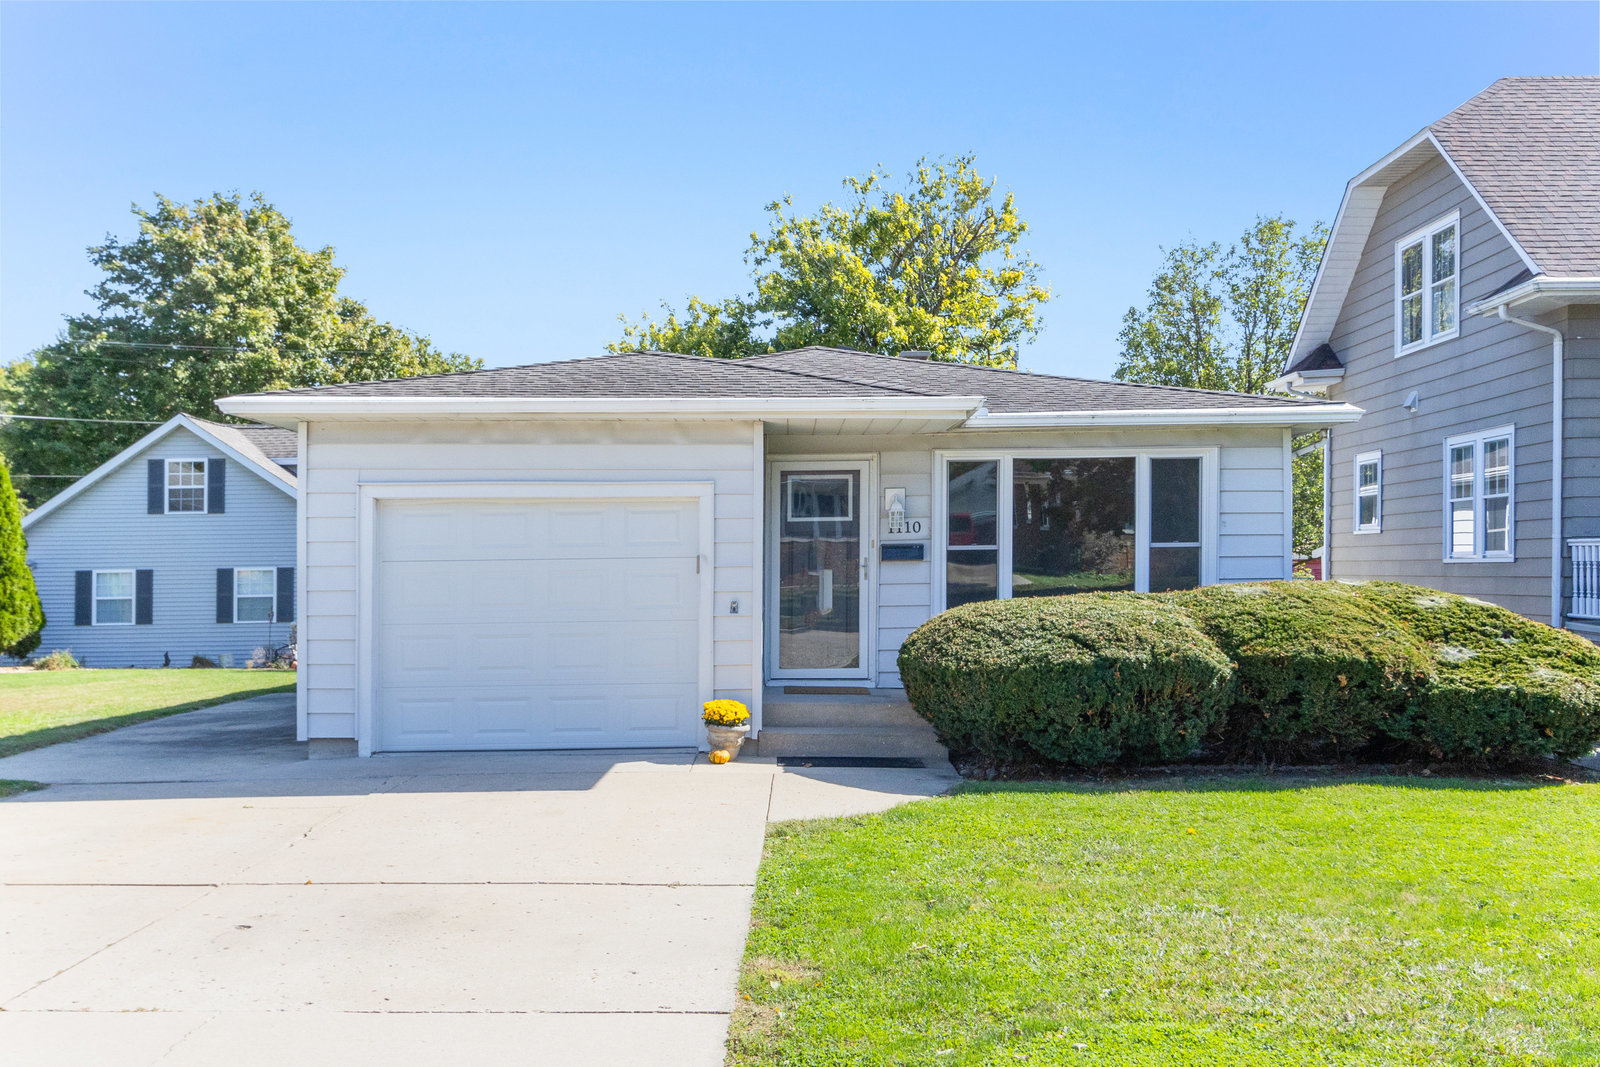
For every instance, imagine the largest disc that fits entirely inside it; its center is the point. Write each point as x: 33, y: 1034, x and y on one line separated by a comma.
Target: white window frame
x: 1425, y: 237
x: 273, y: 596
x: 1210, y: 506
x: 132, y: 598
x: 1479, y: 531
x: 205, y: 485
x: 1375, y: 490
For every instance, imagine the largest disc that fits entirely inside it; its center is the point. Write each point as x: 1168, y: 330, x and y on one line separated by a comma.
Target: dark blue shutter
x: 83, y: 598
x: 285, y: 608
x: 155, y: 489
x: 143, y: 597
x: 216, y: 486
x: 224, y: 594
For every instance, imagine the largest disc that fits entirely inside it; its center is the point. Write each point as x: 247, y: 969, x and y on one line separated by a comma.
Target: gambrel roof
x: 1527, y: 149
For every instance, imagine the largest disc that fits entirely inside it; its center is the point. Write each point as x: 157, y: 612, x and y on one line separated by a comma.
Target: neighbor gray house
x: 180, y: 545
x: 1458, y: 304
x: 577, y: 554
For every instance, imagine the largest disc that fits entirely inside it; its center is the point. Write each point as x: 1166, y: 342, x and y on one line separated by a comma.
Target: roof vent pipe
x: 916, y: 353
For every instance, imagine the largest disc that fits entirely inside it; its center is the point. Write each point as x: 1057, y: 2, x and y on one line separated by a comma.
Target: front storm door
x: 817, y: 521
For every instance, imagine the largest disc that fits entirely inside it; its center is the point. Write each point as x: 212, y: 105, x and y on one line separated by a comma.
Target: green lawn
x: 39, y: 708
x: 1245, y: 921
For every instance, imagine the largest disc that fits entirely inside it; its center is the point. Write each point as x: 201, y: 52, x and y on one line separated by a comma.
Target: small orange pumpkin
x: 720, y: 755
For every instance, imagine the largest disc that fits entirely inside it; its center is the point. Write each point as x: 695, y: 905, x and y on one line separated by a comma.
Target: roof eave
x: 1307, y: 381
x: 1280, y: 415
x: 288, y: 409
x: 1541, y: 294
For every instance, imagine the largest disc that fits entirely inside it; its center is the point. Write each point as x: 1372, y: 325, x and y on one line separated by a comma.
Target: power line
x: 18, y: 474
x: 63, y: 418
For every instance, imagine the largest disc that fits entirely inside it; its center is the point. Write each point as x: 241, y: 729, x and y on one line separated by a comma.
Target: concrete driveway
x: 194, y: 891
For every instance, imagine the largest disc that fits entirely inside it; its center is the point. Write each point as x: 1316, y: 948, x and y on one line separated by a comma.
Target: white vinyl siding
x: 1251, y: 540
x: 1478, y: 495
x: 1369, y: 492
x: 113, y: 598
x: 109, y: 527
x: 340, y: 458
x: 1427, y: 284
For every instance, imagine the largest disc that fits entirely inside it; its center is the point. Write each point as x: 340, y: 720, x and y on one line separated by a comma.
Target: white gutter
x: 1557, y: 443
x: 266, y: 407
x: 1277, y: 415
x: 1543, y: 290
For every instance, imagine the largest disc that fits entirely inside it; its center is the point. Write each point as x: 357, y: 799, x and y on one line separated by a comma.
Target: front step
x: 850, y: 741
x: 818, y: 723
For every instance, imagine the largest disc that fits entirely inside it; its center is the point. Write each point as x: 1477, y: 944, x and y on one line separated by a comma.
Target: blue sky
x: 507, y: 179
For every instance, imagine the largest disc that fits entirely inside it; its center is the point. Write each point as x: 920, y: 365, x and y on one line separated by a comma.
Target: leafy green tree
x: 1308, y: 528
x: 1223, y: 319
x: 21, y: 616
x: 937, y: 266
x: 210, y: 298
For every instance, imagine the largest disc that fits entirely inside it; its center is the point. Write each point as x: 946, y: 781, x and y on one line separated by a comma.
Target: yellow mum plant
x: 726, y: 713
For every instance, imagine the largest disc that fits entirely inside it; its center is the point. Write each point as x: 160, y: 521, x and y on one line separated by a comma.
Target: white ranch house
x: 576, y: 554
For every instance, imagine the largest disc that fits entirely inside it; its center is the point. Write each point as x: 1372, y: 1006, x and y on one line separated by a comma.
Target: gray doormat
x: 909, y: 762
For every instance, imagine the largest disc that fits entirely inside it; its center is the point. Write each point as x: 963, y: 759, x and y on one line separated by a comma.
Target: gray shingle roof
x: 1531, y: 147
x: 801, y: 373
x: 259, y: 442
x: 1323, y: 357
x: 1004, y: 390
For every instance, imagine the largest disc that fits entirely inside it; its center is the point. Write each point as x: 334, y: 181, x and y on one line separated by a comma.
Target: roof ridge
x: 1016, y: 371
x: 787, y: 370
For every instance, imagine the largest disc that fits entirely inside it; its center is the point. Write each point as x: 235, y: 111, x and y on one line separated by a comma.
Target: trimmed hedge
x: 1501, y: 687
x: 1321, y: 673
x: 1087, y: 679
x: 1275, y: 670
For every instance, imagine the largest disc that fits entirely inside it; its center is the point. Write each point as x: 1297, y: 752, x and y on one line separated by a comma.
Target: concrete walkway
x: 194, y: 891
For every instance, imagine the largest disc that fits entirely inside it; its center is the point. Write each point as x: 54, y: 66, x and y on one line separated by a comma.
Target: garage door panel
x: 470, y: 530
x: 541, y: 590
x: 548, y: 717
x: 533, y: 624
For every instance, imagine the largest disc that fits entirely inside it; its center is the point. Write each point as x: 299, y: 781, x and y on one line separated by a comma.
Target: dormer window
x: 1427, y: 289
x: 186, y: 485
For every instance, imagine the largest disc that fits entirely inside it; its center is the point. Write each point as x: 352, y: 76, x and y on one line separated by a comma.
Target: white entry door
x: 820, y: 536
x: 536, y: 624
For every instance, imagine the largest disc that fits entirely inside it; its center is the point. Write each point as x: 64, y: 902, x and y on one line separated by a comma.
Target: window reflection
x: 1072, y: 525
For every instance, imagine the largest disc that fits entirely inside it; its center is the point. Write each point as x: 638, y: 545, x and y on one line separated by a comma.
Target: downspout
x: 1558, y: 437
x: 1327, y: 503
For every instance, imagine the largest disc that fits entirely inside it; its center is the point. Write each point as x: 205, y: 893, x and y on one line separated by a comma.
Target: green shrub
x: 1086, y: 679
x: 1321, y: 672
x: 1502, y: 688
x: 59, y: 660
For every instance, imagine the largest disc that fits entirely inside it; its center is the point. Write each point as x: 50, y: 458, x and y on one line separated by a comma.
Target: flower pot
x: 727, y: 737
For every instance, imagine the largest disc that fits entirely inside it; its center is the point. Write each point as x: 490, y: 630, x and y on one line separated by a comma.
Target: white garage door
x: 536, y: 624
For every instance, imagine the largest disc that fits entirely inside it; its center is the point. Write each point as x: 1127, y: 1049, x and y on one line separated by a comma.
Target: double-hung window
x: 186, y: 485
x: 255, y: 591
x: 113, y: 598
x: 1369, y: 492
x: 1479, y: 486
x: 1035, y: 524
x: 1427, y: 290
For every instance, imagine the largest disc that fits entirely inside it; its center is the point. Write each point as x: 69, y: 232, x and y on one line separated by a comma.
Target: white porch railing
x: 1585, y: 577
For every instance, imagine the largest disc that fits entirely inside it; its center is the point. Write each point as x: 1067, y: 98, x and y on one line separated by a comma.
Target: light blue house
x: 181, y: 545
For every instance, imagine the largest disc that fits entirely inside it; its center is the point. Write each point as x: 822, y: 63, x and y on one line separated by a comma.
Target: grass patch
x: 39, y: 708
x: 1243, y: 921
x: 10, y: 787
